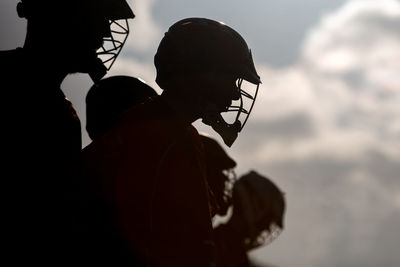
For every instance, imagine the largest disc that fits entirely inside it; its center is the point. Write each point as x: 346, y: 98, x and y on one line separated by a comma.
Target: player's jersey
x: 41, y: 137
x: 149, y: 170
x: 230, y: 251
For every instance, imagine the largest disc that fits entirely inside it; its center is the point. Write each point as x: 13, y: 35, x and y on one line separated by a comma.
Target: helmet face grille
x: 264, y: 238
x: 240, y: 110
x: 113, y: 44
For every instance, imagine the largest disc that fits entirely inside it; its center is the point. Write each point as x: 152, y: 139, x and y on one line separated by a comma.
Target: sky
x: 325, y: 127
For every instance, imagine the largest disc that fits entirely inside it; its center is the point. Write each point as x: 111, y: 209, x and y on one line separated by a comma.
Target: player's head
x: 109, y: 98
x: 215, y: 61
x: 82, y: 35
x: 259, y: 207
x: 220, y: 173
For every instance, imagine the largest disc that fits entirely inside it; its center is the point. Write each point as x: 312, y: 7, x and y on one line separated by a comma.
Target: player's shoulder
x: 9, y: 53
x: 10, y: 56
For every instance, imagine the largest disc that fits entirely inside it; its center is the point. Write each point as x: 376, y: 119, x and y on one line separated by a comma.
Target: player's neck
x: 40, y: 67
x: 185, y: 107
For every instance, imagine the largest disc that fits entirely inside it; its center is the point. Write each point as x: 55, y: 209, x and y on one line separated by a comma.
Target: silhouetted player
x: 41, y: 131
x: 258, y: 209
x: 257, y: 205
x: 150, y: 166
x: 106, y: 100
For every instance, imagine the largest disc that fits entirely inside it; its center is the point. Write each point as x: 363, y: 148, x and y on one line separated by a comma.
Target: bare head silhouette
x: 110, y: 97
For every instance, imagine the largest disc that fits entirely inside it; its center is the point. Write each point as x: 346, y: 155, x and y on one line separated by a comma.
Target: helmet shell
x: 266, y: 197
x: 109, y: 9
x: 203, y: 45
x: 260, y: 205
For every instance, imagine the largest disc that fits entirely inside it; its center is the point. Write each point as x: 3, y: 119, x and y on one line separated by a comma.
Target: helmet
x: 220, y: 173
x: 259, y: 203
x: 111, y: 9
x: 110, y: 97
x: 200, y: 45
x: 116, y: 12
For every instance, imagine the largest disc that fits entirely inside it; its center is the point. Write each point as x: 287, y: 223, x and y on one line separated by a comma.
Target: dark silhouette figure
x: 41, y: 131
x: 106, y: 100
x: 111, y: 97
x: 220, y: 175
x: 257, y: 207
x: 150, y: 166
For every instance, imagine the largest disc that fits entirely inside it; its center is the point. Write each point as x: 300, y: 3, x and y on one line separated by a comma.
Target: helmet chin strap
x: 228, y: 132
x: 97, y: 70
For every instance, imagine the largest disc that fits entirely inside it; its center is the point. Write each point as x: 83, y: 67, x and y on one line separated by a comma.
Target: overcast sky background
x: 326, y: 125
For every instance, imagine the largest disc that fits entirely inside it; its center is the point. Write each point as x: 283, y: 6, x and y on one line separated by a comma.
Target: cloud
x: 340, y: 169
x: 348, y: 117
x: 12, y: 28
x: 336, y: 209
x: 145, y: 32
x: 361, y: 36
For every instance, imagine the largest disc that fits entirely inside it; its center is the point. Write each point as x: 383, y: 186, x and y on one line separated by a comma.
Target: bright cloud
x: 341, y: 175
x: 350, y: 91
x: 145, y: 31
x: 361, y: 34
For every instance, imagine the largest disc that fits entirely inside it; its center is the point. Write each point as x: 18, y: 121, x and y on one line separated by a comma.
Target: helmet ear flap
x: 22, y: 10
